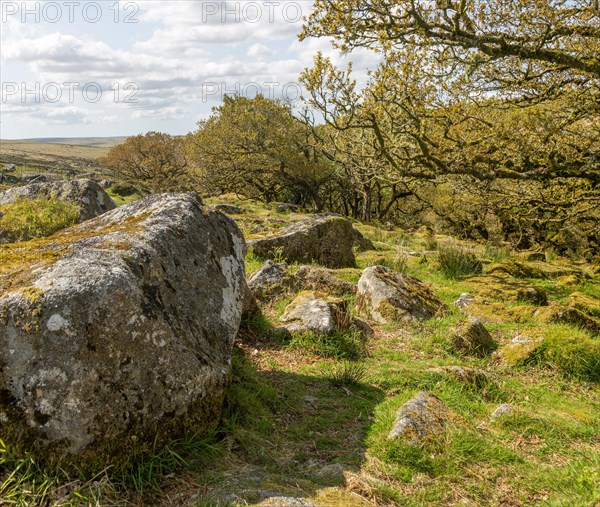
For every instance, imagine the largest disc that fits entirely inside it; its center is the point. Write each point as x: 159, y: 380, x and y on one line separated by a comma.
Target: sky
x: 117, y: 68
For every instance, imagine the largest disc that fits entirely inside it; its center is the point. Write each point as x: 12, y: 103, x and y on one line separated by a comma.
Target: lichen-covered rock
x: 272, y: 279
x: 471, y: 337
x: 121, y: 328
x: 89, y: 197
x: 325, y: 239
x: 315, y: 312
x: 320, y: 314
x: 323, y: 280
x: 502, y: 410
x: 423, y: 419
x: 534, y: 295
x: 385, y: 295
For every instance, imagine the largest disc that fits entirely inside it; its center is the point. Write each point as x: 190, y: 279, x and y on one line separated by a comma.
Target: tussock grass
x: 457, y: 261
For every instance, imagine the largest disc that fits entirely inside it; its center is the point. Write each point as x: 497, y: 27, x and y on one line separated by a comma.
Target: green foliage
x: 26, y: 219
x: 154, y: 162
x: 571, y: 351
x: 456, y: 261
x: 343, y: 344
x: 346, y: 374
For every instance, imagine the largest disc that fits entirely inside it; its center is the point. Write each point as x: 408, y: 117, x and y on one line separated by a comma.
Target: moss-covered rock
x: 324, y: 280
x: 326, y: 239
x: 123, y: 334
x: 385, y: 295
x: 471, y: 337
x: 422, y: 420
x: 584, y: 303
x: 517, y: 269
x: 502, y: 287
x: 519, y: 351
x: 557, y: 313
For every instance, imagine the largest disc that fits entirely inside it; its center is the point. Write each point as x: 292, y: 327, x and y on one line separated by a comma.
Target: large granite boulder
x: 89, y: 197
x: 120, y: 329
x: 385, y: 295
x: 325, y: 239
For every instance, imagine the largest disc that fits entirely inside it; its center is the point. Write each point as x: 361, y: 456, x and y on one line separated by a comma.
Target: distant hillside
x: 102, y: 142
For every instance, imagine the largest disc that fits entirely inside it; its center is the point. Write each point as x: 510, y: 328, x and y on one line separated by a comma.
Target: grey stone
x: 325, y: 239
x: 89, y: 197
x: 471, y: 337
x: 309, y: 277
x: 126, y: 331
x: 272, y: 279
x: 422, y: 419
x: 314, y: 312
x: 501, y: 411
x: 387, y: 295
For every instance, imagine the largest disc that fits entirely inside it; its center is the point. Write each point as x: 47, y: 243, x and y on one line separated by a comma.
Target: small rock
x: 471, y: 337
x: 471, y: 376
x: 501, y: 411
x: 285, y: 207
x: 534, y: 295
x: 315, y: 312
x: 422, y: 419
x: 464, y: 300
x: 272, y: 279
x: 323, y: 280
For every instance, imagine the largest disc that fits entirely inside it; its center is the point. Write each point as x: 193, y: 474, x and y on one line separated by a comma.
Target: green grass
x: 457, y: 261
x: 26, y: 219
x: 343, y: 344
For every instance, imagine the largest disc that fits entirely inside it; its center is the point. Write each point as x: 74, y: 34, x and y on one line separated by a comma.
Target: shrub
x: 26, y: 219
x: 456, y: 261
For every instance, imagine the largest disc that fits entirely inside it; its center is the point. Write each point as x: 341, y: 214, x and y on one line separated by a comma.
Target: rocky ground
x: 374, y: 377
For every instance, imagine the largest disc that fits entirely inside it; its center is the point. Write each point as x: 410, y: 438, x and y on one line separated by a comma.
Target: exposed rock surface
x: 323, y: 280
x: 325, y: 239
x: 385, y: 295
x: 89, y: 197
x: 422, y: 419
x: 121, y: 328
x: 471, y: 337
x: 315, y: 312
x: 270, y: 280
x: 501, y: 411
x: 362, y: 244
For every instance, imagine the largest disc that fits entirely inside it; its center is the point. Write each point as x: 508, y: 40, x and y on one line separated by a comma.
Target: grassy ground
x: 309, y: 419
